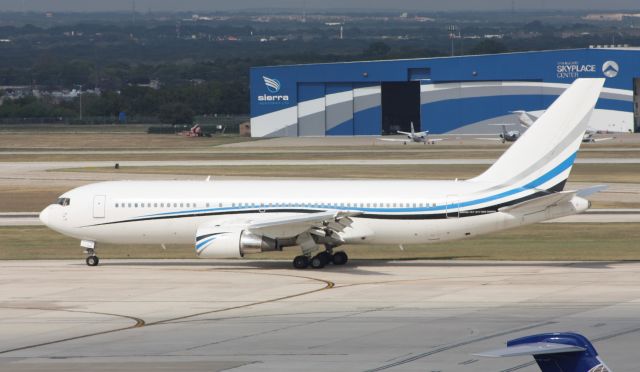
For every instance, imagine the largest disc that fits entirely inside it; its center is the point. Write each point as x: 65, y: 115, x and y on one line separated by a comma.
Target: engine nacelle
x: 231, y: 242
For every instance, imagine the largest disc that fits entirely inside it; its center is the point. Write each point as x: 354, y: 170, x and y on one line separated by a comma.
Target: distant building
x: 443, y: 95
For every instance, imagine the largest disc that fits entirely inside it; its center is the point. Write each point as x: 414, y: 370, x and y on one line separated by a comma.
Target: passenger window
x: 116, y: 205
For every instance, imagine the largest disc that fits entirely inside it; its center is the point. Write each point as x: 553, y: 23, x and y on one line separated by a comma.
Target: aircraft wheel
x: 301, y: 262
x: 326, y: 257
x: 92, y: 260
x: 318, y: 262
x: 339, y: 258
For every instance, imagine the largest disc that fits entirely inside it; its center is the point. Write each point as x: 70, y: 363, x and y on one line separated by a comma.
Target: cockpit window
x: 63, y: 201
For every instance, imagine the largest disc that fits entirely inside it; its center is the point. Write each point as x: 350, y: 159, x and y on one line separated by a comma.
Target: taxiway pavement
x: 199, y: 315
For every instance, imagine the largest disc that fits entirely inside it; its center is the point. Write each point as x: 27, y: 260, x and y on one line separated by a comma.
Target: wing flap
x: 296, y: 225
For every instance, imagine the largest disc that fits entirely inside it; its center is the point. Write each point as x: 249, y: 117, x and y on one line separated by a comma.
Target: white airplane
x: 505, y: 136
x: 527, y: 119
x: 227, y: 219
x: 413, y: 136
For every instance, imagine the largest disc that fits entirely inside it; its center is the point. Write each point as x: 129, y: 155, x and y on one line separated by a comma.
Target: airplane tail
x: 555, y: 352
x: 526, y: 119
x: 543, y: 156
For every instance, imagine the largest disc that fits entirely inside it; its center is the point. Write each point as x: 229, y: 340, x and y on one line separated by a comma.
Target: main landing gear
x: 90, y: 250
x: 320, y: 260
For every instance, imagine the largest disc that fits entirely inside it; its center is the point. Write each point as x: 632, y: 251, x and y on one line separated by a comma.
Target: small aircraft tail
x: 526, y: 119
x: 543, y: 156
x: 555, y: 352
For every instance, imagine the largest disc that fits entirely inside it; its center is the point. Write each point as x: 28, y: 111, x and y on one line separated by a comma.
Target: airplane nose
x: 44, y: 216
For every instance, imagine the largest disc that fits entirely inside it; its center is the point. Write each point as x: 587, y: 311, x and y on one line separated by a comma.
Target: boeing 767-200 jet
x: 233, y: 218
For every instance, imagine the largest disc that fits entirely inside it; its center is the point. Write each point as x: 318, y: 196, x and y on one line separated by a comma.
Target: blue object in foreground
x: 555, y: 352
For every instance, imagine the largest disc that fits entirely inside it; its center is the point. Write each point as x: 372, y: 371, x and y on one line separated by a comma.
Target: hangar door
x: 311, y: 109
x: 367, y: 109
x: 400, y: 106
x: 470, y: 106
x: 339, y: 109
x: 636, y: 104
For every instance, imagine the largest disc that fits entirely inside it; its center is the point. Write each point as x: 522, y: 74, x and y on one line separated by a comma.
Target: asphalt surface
x: 191, y: 315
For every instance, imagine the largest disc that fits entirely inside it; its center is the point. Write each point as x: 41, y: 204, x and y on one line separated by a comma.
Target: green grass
x: 544, y: 242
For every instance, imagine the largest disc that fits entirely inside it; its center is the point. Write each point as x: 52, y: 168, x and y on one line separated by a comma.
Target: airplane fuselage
x: 170, y: 212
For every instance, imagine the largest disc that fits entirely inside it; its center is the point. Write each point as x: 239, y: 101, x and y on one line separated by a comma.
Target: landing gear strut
x: 90, y: 250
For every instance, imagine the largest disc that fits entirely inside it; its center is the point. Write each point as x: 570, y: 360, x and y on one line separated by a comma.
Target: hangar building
x: 442, y: 95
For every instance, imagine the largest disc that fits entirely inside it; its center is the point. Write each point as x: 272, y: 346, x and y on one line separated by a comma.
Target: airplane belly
x: 391, y: 231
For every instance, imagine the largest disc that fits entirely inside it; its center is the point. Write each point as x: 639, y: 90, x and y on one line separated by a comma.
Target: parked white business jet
x: 232, y: 218
x: 527, y: 119
x: 413, y: 136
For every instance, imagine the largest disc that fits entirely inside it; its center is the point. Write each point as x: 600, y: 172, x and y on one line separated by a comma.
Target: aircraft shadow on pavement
x: 362, y: 267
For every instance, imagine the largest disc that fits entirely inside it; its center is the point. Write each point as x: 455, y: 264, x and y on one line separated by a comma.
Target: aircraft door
x: 452, y: 206
x: 99, y: 206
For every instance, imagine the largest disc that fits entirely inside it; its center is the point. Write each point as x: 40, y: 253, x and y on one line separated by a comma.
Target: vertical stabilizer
x: 552, y: 140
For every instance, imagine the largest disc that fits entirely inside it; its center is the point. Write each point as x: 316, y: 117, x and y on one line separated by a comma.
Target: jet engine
x: 231, y: 242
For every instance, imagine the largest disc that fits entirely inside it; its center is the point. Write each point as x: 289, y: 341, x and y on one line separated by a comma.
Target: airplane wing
x: 534, y: 348
x: 601, y: 139
x: 405, y: 133
x: 393, y: 139
x: 489, y: 138
x: 291, y: 226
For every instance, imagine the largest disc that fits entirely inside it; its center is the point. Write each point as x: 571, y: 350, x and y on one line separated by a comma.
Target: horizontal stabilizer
x: 583, y: 193
x: 534, y: 348
x: 540, y: 203
x: 554, y: 352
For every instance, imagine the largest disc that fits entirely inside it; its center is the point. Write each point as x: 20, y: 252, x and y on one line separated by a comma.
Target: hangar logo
x: 273, y: 86
x: 610, y: 69
x: 572, y: 69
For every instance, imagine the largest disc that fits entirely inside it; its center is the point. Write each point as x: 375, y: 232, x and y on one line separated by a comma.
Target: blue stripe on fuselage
x: 566, y: 164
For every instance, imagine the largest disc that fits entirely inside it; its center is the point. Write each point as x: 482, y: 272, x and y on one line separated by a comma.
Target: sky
x: 225, y: 5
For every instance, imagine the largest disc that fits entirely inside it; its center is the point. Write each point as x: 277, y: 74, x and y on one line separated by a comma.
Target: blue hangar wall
x: 457, y: 94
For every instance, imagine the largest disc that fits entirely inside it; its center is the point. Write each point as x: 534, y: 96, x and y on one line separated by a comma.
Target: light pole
x: 80, y: 96
x: 452, y: 36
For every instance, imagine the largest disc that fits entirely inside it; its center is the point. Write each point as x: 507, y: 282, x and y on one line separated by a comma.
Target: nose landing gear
x: 92, y: 260
x: 90, y: 249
